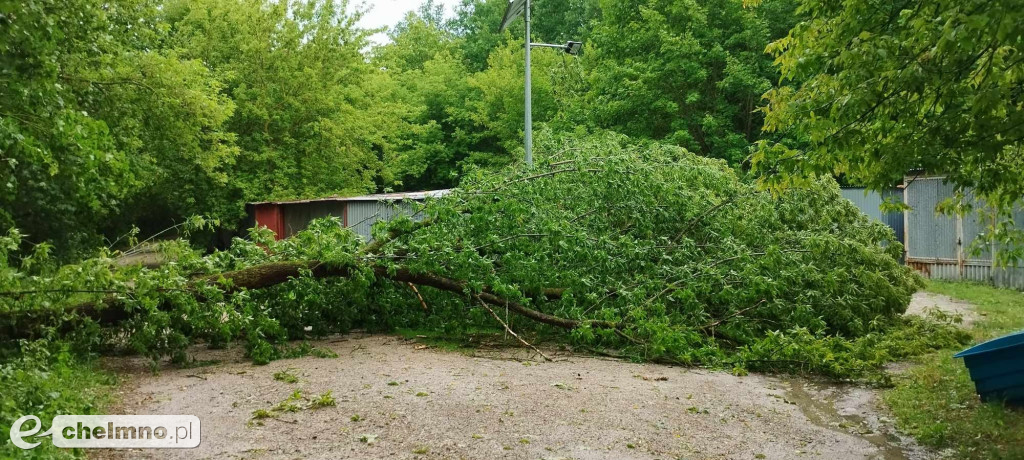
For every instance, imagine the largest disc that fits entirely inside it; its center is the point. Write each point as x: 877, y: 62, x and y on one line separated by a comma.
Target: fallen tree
x: 644, y: 248
x: 110, y: 310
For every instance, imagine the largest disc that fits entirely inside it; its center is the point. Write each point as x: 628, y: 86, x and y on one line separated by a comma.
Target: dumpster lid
x: 1006, y: 341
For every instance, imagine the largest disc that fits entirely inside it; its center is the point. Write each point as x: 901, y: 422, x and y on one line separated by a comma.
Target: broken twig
x: 417, y: 291
x: 510, y: 331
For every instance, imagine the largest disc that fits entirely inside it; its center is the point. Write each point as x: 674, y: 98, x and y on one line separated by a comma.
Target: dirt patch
x: 415, y: 402
x: 924, y: 301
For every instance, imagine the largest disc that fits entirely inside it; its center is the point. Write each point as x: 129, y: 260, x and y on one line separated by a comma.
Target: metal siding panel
x: 867, y: 202
x: 927, y: 231
x: 929, y: 234
x: 932, y: 237
x: 945, y: 227
x: 918, y: 217
x: 945, y: 271
x: 979, y: 272
x: 975, y: 224
x: 296, y: 218
x: 870, y: 204
x: 361, y: 216
x: 939, y: 270
x: 1012, y: 278
x: 320, y: 210
x: 384, y: 211
x: 894, y: 219
x: 269, y: 215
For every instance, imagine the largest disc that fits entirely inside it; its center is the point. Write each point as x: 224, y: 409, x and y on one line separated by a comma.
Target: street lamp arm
x: 570, y: 47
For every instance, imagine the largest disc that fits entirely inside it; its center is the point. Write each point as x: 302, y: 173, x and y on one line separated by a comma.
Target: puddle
x: 819, y: 406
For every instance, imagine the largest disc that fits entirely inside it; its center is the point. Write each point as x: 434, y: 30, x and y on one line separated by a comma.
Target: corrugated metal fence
x: 940, y: 246
x: 870, y: 202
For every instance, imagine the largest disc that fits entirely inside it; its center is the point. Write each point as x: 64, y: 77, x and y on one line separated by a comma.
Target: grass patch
x: 46, y: 379
x: 935, y: 401
x: 286, y: 376
x: 324, y: 400
x: 305, y: 349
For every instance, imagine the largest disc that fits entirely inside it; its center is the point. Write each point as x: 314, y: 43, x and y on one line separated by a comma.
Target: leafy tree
x: 687, y: 72
x: 306, y: 121
x: 501, y: 107
x: 423, y: 67
x: 437, y: 135
x: 93, y: 112
x: 453, y: 117
x: 878, y: 89
x: 418, y: 38
x: 169, y: 122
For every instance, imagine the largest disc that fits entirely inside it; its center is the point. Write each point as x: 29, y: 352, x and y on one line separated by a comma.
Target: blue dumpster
x: 997, y: 368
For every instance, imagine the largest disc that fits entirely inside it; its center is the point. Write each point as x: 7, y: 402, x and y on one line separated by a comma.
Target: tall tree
x: 424, y: 65
x: 688, y: 72
x: 454, y: 118
x: 306, y: 120
x: 93, y: 111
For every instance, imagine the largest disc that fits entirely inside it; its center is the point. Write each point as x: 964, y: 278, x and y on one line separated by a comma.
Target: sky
x: 387, y: 13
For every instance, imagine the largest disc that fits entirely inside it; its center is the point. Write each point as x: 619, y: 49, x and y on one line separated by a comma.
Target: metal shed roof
x: 398, y: 196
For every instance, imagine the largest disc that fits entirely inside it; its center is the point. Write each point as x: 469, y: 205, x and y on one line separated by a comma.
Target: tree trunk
x: 111, y: 310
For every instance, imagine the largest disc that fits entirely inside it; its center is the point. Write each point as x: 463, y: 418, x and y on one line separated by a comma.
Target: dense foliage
x: 94, y: 114
x: 642, y: 248
x: 47, y: 379
x: 690, y: 73
x: 879, y: 89
x: 145, y: 112
x: 306, y: 120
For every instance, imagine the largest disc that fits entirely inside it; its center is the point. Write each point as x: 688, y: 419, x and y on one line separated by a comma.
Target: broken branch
x: 510, y: 331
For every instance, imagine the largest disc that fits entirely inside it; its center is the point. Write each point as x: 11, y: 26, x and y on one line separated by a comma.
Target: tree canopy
x: 141, y: 113
x: 879, y: 89
x: 134, y: 115
x: 94, y: 113
x: 688, y: 73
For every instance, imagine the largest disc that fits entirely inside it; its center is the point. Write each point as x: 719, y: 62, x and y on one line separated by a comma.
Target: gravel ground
x: 416, y: 402
x: 923, y: 301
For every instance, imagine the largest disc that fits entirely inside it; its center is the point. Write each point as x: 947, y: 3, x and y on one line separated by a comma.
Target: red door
x: 269, y: 215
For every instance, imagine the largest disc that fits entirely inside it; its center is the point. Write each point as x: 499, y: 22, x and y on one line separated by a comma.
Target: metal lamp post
x: 514, y: 9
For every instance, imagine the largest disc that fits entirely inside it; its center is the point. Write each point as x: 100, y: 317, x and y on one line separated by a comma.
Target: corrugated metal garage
x: 286, y: 218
